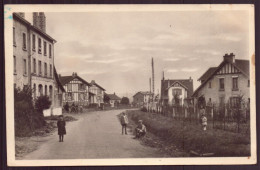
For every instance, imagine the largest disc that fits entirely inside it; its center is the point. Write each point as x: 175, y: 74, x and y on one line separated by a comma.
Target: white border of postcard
x: 8, y: 24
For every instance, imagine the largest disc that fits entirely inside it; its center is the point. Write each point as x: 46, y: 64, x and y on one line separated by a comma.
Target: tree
x: 125, y: 100
x: 27, y: 119
x: 42, y: 103
x: 106, y: 98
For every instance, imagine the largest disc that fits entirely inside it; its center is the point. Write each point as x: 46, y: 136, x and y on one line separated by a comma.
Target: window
x: 69, y: 87
x: 235, y: 83
x: 50, y: 70
x: 45, y: 90
x: 24, y: 41
x: 221, y: 84
x: 24, y: 67
x: 40, y: 67
x: 50, y: 90
x: 33, y: 42
x: 248, y: 83
x: 14, y: 42
x: 39, y: 45
x: 50, y: 50
x: 70, y: 96
x: 44, y: 48
x: 210, y: 84
x: 34, y: 65
x: 45, y: 69
x: 176, y: 92
x: 234, y: 102
x: 14, y: 64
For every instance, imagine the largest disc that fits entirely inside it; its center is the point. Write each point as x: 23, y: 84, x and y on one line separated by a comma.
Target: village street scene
x: 131, y: 85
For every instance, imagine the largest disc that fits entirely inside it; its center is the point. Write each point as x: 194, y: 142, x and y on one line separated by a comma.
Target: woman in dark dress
x: 61, y: 128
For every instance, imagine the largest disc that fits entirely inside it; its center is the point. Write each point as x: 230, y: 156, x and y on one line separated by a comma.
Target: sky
x: 115, y: 48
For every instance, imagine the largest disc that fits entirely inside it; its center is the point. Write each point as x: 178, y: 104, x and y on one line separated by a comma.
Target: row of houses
x: 33, y: 61
x: 225, y: 83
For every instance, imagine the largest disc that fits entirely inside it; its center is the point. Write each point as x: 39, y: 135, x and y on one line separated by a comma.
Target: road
x: 94, y: 135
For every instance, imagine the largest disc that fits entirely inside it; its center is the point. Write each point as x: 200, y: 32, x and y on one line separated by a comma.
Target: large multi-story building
x: 76, y: 90
x: 33, y: 55
x: 225, y: 83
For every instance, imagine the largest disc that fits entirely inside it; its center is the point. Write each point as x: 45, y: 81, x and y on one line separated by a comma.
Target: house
x: 76, y: 90
x: 113, y: 99
x: 141, y: 98
x: 33, y: 55
x: 226, y: 82
x: 97, y: 93
x: 181, y: 88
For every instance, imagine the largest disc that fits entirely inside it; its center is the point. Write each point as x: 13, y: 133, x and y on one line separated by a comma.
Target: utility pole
x: 153, y: 77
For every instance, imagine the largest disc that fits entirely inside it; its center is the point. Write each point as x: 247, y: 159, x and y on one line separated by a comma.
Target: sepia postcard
x: 91, y: 85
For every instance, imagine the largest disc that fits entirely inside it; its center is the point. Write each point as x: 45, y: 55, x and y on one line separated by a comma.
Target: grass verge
x: 182, y: 137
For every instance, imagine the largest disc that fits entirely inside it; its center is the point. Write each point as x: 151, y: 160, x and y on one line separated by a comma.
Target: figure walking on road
x: 124, y: 122
x: 61, y: 128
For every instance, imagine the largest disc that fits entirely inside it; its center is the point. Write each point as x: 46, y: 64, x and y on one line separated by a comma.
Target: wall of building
x: 171, y: 96
x: 76, y: 92
x: 214, y: 93
x: 138, y: 98
x: 21, y: 54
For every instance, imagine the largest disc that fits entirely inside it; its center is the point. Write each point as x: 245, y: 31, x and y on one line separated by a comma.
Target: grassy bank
x: 27, y: 144
x: 185, y: 136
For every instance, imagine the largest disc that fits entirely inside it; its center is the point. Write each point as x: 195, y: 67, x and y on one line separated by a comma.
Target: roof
x: 58, y: 80
x: 24, y: 21
x: 113, y: 97
x: 144, y: 93
x: 66, y: 79
x: 94, y: 83
x: 208, y: 73
x: 242, y: 65
x: 188, y: 83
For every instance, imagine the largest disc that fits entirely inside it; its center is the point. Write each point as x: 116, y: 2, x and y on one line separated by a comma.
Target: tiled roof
x: 144, y: 93
x: 113, y: 97
x: 58, y: 80
x: 66, y: 79
x: 207, y: 74
x: 188, y: 83
x: 94, y: 83
x: 243, y: 65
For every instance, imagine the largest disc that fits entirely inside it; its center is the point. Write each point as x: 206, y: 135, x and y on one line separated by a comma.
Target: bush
x: 125, y: 100
x: 27, y: 119
x: 42, y: 103
x: 143, y: 109
x: 93, y: 105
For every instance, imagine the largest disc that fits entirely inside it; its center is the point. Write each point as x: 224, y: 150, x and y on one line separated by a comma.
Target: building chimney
x: 39, y: 20
x: 21, y: 14
x: 42, y: 21
x: 229, y: 58
x: 190, y: 79
x: 59, y: 75
x: 35, y: 19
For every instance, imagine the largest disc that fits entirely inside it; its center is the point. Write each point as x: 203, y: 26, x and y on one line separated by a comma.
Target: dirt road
x: 94, y: 135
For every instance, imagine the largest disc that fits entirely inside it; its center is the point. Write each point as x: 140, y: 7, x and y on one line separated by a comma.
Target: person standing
x: 61, y: 128
x: 124, y: 122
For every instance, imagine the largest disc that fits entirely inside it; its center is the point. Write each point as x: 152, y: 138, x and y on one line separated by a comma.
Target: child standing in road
x: 61, y: 128
x: 124, y: 122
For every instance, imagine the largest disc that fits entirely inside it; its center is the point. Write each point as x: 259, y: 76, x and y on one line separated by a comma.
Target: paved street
x: 94, y: 135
